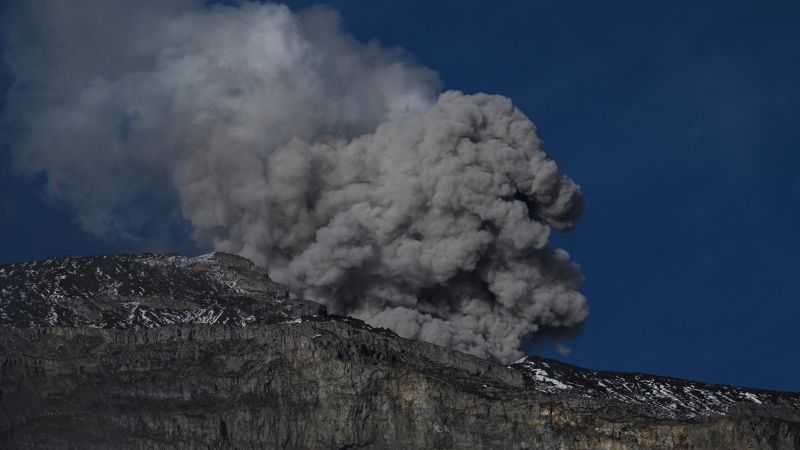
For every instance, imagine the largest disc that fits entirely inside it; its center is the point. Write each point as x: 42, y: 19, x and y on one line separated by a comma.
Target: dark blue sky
x: 680, y: 122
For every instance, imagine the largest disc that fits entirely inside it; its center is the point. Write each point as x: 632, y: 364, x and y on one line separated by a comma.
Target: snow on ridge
x: 661, y: 396
x: 541, y: 376
x: 140, y: 291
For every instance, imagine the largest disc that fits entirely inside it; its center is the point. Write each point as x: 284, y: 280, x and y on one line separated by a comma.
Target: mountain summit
x: 164, y: 351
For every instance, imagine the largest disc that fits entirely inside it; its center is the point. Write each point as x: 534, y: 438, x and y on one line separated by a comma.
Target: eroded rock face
x: 299, y: 378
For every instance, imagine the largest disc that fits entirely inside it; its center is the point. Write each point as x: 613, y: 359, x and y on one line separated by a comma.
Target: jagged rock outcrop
x: 223, y: 358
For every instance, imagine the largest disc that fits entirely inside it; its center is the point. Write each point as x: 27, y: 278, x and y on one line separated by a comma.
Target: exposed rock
x: 78, y: 371
x: 143, y: 291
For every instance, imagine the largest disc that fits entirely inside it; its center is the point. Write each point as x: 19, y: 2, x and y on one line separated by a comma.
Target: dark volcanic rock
x: 224, y: 359
x: 143, y: 291
x: 655, y: 396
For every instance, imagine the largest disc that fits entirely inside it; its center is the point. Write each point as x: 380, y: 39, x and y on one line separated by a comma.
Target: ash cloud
x: 337, y: 164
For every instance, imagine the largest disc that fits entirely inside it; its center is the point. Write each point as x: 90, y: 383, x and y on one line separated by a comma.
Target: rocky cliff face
x: 170, y: 352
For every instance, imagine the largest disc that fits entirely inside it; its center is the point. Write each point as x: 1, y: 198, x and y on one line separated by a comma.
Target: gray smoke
x: 332, y: 162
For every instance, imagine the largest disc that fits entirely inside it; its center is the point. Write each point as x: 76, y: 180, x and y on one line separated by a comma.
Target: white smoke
x: 330, y: 161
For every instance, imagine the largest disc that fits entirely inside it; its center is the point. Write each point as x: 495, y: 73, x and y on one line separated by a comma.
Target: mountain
x: 164, y: 351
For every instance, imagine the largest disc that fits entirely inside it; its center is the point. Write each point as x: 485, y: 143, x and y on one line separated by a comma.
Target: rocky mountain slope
x: 152, y: 351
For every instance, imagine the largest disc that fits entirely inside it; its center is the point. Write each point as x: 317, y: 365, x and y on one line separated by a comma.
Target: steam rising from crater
x: 336, y: 164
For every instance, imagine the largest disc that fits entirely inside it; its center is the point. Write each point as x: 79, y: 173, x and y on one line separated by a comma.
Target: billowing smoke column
x: 332, y: 162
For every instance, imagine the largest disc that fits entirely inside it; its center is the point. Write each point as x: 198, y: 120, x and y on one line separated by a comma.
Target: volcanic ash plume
x: 329, y: 161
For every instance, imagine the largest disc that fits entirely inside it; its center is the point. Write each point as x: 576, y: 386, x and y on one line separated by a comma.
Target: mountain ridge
x: 219, y: 321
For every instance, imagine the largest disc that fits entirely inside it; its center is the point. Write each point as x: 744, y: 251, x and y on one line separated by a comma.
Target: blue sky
x: 678, y: 119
